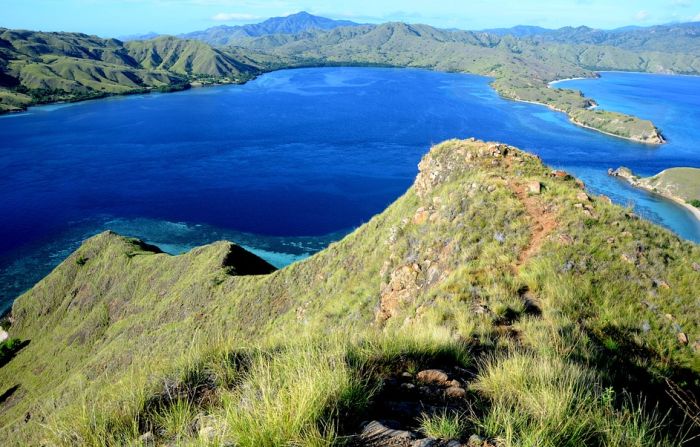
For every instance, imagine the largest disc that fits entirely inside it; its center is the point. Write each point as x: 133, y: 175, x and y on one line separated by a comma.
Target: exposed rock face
x: 404, y: 285
x: 623, y: 173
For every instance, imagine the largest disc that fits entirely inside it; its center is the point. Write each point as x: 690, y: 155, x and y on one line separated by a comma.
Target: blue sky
x: 121, y: 17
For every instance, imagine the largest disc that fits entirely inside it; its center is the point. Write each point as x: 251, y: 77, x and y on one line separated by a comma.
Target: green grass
x: 680, y: 182
x: 444, y: 425
x: 134, y: 341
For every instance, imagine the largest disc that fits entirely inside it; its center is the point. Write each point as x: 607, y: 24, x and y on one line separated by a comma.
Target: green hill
x: 39, y: 67
x: 494, y: 302
x: 680, y: 182
x: 188, y: 57
x: 291, y: 24
x: 521, y: 68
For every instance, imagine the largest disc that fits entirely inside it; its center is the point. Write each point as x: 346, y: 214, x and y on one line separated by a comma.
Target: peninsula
x: 39, y: 67
x: 682, y: 185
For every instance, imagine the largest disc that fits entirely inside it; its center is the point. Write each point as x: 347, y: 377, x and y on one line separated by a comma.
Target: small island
x: 682, y: 185
x: 582, y: 111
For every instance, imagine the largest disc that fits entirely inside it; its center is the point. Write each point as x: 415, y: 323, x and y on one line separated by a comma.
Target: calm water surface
x: 289, y: 162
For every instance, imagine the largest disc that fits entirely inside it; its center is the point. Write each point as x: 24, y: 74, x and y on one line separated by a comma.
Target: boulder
x: 3, y: 335
x: 558, y: 173
x: 432, y: 376
x: 682, y: 338
x: 421, y: 216
x: 534, y: 187
x: 377, y: 433
x: 455, y: 392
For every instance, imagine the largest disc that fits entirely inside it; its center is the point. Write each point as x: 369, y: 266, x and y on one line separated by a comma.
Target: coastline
x: 580, y: 78
x: 637, y: 184
x: 572, y: 121
x: 148, y: 91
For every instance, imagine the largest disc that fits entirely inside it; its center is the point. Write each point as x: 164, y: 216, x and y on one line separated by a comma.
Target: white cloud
x: 642, y: 16
x: 234, y: 17
x: 696, y: 18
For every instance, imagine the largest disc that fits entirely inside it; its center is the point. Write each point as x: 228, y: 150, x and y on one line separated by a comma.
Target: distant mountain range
x: 146, y: 36
x: 292, y: 24
x: 665, y: 38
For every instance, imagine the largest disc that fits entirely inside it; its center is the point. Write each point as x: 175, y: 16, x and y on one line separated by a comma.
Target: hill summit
x: 291, y: 24
x: 494, y: 303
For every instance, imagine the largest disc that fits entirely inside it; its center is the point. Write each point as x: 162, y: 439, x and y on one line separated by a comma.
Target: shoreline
x: 576, y: 123
x: 579, y: 78
x: 637, y: 184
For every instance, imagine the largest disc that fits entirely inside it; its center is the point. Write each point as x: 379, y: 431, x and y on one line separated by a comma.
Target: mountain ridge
x: 522, y: 68
x: 491, y: 262
x: 291, y: 24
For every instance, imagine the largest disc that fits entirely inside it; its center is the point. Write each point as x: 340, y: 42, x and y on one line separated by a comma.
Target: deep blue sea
x: 295, y: 159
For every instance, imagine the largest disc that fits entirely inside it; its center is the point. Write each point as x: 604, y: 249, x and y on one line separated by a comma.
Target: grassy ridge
x: 39, y: 67
x: 44, y: 67
x: 521, y: 68
x: 573, y: 319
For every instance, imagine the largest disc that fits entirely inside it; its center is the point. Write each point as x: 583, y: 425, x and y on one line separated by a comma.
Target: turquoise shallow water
x: 293, y: 160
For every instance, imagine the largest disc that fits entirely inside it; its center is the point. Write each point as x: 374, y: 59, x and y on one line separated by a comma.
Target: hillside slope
x: 681, y: 185
x: 291, y: 24
x: 38, y: 67
x: 521, y: 68
x: 552, y: 318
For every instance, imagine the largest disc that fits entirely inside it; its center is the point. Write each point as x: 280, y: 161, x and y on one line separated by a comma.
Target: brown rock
x: 583, y: 197
x: 421, y: 216
x: 534, y: 187
x: 455, y: 392
x: 432, y: 376
x: 376, y: 433
x: 682, y: 338
x: 696, y: 266
x: 560, y: 174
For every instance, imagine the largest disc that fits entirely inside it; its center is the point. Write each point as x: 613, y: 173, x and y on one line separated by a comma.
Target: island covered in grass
x: 39, y: 67
x: 682, y: 185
